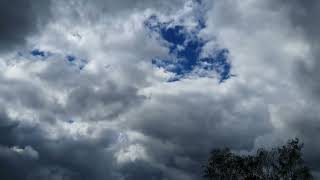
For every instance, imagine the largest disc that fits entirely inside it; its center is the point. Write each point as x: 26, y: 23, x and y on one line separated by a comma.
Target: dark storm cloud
x: 195, y: 123
x: 307, y: 127
x: 19, y: 19
x: 67, y: 157
x: 141, y: 170
x: 305, y: 15
x: 39, y: 158
x: 6, y: 127
x: 26, y: 150
x: 10, y: 160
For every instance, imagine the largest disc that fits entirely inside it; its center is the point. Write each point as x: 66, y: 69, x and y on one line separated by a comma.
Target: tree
x: 281, y: 163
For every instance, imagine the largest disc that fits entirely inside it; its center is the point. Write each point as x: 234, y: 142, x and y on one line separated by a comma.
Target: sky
x: 144, y: 89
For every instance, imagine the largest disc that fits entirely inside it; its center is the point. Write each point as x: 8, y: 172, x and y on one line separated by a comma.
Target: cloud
x: 303, y: 15
x: 20, y: 19
x: 81, y: 97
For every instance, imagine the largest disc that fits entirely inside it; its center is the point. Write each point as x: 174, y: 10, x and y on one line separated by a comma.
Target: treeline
x: 280, y: 163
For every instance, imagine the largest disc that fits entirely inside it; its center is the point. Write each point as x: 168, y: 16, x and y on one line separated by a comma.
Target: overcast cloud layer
x: 108, y: 89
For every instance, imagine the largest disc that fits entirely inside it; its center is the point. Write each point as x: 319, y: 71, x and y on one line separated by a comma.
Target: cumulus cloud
x: 81, y: 98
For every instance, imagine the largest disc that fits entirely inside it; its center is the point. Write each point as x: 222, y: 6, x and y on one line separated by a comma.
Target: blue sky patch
x: 75, y: 61
x: 185, y: 48
x: 71, y: 59
x: 39, y: 53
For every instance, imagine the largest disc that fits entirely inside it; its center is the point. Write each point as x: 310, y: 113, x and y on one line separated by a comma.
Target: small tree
x: 284, y: 163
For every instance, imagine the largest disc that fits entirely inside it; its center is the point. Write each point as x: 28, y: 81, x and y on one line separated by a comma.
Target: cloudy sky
x: 144, y: 89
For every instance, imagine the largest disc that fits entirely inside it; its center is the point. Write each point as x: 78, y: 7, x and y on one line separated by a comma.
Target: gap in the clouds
x: 185, y: 48
x: 71, y: 59
x: 70, y: 121
x: 37, y: 52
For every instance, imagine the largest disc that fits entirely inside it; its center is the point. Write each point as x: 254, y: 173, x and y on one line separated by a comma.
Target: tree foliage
x: 281, y: 163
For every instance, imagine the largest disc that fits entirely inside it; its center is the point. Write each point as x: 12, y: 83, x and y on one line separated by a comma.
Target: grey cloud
x: 7, y: 125
x: 141, y: 170
x: 125, y: 5
x: 91, y: 11
x: 103, y: 104
x: 304, y: 122
x: 87, y: 96
x: 303, y: 16
x: 178, y: 124
x: 20, y: 92
x: 195, y: 123
x: 90, y: 96
x: 10, y: 160
x: 19, y: 19
x: 42, y: 158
